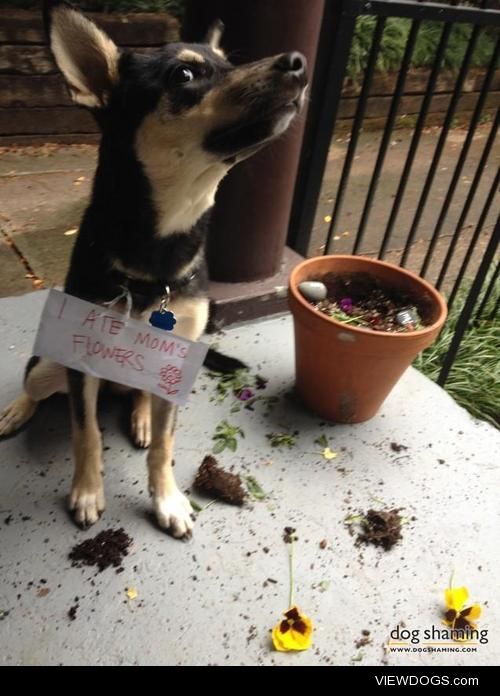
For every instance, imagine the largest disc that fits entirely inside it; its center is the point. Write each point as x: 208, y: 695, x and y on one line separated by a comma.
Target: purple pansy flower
x: 245, y: 394
x: 345, y: 305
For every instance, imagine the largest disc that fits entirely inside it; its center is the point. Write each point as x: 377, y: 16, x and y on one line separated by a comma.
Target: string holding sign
x: 124, y: 295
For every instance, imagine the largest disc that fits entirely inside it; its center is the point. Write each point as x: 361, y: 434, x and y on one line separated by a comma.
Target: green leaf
x: 353, y: 519
x: 219, y: 446
x: 378, y: 500
x: 282, y: 439
x: 322, y: 441
x: 324, y: 585
x: 197, y: 508
x: 226, y: 435
x: 255, y: 489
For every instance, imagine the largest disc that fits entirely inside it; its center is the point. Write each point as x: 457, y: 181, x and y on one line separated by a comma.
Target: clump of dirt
x: 396, y: 447
x: 381, y: 528
x: 362, y: 300
x: 364, y: 640
x: 214, y: 481
x: 72, y: 612
x: 106, y: 549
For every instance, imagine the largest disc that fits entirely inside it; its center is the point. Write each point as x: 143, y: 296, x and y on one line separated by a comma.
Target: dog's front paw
x: 86, y: 505
x: 16, y: 415
x: 173, y: 513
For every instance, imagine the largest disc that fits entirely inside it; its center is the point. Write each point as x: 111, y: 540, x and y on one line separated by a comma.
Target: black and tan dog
x: 173, y: 124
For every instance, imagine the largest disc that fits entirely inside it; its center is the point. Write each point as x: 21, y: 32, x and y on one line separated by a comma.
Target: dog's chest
x: 180, y: 203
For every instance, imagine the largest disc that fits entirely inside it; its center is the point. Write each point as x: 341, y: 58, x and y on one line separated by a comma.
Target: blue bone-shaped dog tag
x: 163, y: 320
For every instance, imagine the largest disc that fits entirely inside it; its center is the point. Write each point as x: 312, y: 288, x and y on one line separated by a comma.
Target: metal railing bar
x: 487, y: 295
x: 417, y: 133
x: 384, y: 144
x: 356, y: 127
x: 476, y: 115
x: 472, y: 244
x: 495, y: 309
x: 468, y: 308
x: 468, y: 201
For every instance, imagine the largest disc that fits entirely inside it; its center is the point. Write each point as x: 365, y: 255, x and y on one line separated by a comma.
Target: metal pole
x: 333, y: 54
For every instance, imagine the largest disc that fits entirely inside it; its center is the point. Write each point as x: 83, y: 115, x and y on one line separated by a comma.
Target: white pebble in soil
x: 313, y: 290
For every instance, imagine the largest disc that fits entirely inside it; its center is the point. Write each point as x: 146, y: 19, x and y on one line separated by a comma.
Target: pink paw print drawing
x: 170, y: 376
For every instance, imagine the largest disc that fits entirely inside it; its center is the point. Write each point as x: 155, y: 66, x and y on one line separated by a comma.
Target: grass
x: 474, y: 380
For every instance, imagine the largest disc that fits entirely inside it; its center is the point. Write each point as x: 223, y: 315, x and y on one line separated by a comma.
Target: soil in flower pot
x: 362, y: 300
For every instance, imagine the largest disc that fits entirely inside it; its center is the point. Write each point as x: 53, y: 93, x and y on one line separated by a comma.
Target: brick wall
x: 34, y: 103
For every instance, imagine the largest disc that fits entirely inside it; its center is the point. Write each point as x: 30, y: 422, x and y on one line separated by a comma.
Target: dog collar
x: 150, y: 288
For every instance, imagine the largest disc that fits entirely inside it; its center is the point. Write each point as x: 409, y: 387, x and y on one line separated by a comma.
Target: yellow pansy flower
x: 328, y: 453
x: 455, y: 597
x: 294, y: 632
x: 456, y: 616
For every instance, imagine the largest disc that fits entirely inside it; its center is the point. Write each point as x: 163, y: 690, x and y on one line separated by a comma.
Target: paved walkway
x: 44, y: 191
x: 213, y: 600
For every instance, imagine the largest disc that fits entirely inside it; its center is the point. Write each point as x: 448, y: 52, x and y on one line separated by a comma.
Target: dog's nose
x: 293, y: 62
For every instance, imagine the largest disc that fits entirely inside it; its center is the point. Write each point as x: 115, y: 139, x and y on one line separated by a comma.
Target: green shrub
x: 175, y: 7
x: 394, y: 39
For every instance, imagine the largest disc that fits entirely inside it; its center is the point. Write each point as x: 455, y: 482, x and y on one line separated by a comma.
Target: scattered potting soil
x: 289, y: 535
x: 396, y: 447
x: 364, y: 640
x: 215, y: 482
x: 381, y: 528
x: 106, y: 549
x: 72, y: 612
x: 361, y: 300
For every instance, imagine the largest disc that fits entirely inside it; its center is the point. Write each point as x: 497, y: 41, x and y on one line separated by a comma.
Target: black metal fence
x: 456, y: 249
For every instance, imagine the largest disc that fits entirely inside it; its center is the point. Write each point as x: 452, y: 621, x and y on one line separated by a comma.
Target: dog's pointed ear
x: 86, y: 56
x: 214, y: 35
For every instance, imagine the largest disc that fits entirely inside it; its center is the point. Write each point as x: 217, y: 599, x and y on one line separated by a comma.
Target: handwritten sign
x: 92, y: 339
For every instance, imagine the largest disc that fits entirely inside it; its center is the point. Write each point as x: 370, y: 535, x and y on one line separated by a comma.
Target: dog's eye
x: 182, y: 74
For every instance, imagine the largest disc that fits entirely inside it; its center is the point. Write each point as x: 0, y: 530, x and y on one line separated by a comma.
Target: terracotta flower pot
x: 343, y: 372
